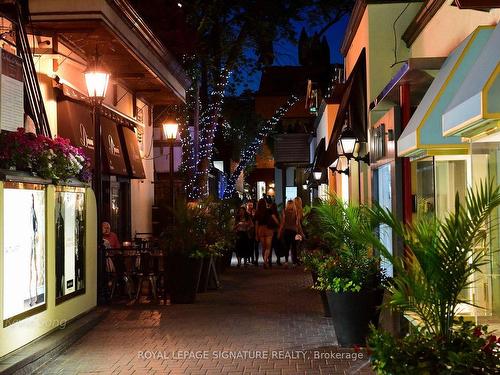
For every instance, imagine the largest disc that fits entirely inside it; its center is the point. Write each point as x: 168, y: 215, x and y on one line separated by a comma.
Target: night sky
x: 286, y: 52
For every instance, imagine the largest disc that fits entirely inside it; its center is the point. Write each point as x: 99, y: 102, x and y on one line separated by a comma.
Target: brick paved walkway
x: 259, y: 322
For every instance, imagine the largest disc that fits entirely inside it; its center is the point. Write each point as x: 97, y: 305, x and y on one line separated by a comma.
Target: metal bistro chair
x: 146, y: 273
x: 120, y: 274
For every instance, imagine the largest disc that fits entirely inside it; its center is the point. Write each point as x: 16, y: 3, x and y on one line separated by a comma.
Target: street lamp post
x: 97, y: 79
x: 170, y: 133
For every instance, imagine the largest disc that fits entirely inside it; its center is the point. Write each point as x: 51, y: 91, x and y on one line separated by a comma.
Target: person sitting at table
x: 110, y: 239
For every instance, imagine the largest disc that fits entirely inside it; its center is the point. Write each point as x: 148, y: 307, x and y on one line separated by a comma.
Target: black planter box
x: 352, y: 312
x: 183, y: 275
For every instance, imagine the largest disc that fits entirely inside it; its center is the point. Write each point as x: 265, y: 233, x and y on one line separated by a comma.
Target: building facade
x: 431, y: 116
x: 65, y: 39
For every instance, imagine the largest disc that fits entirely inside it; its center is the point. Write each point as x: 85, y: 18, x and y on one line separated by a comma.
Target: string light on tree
x: 251, y: 151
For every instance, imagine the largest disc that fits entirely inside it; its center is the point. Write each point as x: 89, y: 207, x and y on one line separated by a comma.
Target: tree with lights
x: 249, y: 153
x: 230, y: 39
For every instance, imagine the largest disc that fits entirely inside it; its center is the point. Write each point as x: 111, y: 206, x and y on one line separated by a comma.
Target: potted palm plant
x: 442, y: 255
x: 350, y: 275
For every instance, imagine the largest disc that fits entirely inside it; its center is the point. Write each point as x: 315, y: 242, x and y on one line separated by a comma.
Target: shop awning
x: 75, y: 124
x: 127, y: 46
x: 133, y: 153
x: 423, y: 135
x: 418, y: 73
x: 353, y: 104
x: 113, y: 151
x: 475, y: 108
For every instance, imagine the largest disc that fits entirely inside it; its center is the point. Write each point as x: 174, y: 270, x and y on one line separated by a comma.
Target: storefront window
x: 436, y: 182
x: 451, y: 179
x: 384, y: 199
x: 24, y: 282
x: 486, y: 287
x: 70, y: 242
x: 323, y: 193
x: 423, y: 187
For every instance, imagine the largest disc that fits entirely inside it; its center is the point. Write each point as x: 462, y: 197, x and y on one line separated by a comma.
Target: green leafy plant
x: 469, y: 350
x: 441, y: 256
x: 351, y: 267
x: 340, y: 273
x: 312, y: 259
x: 201, y: 229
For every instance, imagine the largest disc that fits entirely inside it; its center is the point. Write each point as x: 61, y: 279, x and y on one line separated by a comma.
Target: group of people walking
x: 263, y: 227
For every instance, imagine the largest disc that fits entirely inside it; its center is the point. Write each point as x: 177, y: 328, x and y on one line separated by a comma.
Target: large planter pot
x: 322, y: 294
x: 352, y: 312
x: 183, y: 275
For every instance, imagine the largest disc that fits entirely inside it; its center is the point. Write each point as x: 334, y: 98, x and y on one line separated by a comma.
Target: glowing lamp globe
x: 96, y: 79
x: 348, y: 141
x: 170, y: 130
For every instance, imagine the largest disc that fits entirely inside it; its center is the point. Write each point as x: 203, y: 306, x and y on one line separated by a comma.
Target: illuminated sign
x: 24, y: 283
x: 70, y: 241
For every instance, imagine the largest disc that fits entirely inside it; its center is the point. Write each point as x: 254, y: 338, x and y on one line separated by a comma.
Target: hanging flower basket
x: 54, y: 159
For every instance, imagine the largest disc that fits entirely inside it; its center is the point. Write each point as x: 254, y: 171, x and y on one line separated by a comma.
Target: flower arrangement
x: 55, y: 159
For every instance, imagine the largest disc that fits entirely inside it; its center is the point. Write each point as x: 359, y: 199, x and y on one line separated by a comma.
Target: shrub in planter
x: 184, y: 243
x: 442, y: 257
x: 350, y: 276
x: 354, y: 291
x: 199, y: 234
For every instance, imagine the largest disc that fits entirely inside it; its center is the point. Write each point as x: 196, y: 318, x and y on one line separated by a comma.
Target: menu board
x: 70, y: 241
x: 24, y: 250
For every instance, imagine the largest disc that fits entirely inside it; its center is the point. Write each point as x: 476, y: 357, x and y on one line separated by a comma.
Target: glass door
x: 486, y: 287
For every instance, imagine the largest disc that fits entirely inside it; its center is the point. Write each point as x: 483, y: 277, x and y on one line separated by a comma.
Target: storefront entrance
x: 117, y: 205
x: 438, y: 180
x: 485, y: 167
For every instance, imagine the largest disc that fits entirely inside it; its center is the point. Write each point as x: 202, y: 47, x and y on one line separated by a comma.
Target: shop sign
x: 134, y: 155
x: 113, y: 148
x: 11, y: 91
x: 74, y: 122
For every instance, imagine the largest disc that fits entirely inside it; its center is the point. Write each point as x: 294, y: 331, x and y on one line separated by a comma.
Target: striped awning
x: 475, y: 108
x: 424, y: 135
